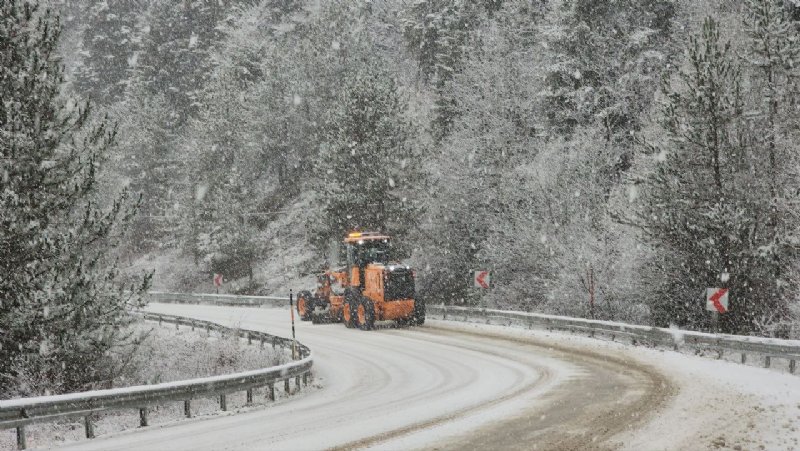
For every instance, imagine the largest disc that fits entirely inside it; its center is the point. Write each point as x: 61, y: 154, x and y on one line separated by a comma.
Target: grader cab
x: 370, y: 288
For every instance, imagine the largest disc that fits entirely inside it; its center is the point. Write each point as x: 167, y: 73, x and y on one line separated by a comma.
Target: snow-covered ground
x: 450, y: 385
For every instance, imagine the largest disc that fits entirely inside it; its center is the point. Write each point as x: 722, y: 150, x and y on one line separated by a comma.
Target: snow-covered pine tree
x: 62, y: 313
x: 110, y: 49
x: 774, y: 56
x: 148, y: 162
x: 367, y: 166
x: 604, y: 55
x: 176, y: 46
x: 468, y: 220
x: 224, y: 180
x: 704, y: 205
x: 439, y: 34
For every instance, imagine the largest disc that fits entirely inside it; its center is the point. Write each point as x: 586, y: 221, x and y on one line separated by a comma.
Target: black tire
x: 349, y: 306
x: 369, y: 314
x: 419, y: 312
x: 308, y: 305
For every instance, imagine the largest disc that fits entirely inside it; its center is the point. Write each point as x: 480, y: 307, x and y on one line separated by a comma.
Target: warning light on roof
x: 354, y: 235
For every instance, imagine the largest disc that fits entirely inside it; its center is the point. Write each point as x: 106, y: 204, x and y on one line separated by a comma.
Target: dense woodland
x: 607, y: 159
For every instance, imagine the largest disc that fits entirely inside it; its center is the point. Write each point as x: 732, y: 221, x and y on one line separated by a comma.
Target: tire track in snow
x: 403, y: 388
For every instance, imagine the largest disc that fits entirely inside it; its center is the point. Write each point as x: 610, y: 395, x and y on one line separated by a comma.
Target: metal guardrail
x: 217, y: 299
x: 17, y: 413
x: 768, y: 348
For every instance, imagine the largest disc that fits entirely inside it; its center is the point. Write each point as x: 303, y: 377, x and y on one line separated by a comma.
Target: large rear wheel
x: 366, y: 314
x: 305, y: 305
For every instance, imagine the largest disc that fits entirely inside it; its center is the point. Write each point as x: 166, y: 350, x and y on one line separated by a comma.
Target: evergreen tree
x: 440, y: 34
x: 111, y: 48
x: 177, y: 42
x: 149, y: 164
x: 469, y: 212
x: 705, y: 200
x: 62, y: 313
x: 367, y: 167
x: 604, y: 59
x: 224, y: 178
x: 774, y: 56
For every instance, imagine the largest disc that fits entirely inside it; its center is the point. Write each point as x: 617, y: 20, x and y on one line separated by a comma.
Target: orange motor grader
x: 370, y: 288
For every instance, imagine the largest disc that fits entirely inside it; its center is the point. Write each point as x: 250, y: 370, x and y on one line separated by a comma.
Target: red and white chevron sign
x: 482, y: 279
x: 217, y: 280
x: 717, y: 300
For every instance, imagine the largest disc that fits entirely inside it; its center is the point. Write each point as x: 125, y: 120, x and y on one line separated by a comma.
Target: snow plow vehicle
x: 370, y: 288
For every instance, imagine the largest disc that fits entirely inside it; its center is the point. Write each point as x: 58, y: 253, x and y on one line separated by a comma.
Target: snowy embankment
x: 168, y: 361
x: 449, y: 385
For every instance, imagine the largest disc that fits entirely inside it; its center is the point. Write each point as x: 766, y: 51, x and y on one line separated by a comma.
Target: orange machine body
x: 370, y: 288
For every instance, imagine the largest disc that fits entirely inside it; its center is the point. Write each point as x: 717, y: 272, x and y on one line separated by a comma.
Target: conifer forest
x: 603, y: 159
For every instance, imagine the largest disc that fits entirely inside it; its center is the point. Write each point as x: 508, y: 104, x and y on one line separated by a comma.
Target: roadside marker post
x: 717, y: 304
x: 294, y: 339
x: 481, y: 279
x: 717, y: 300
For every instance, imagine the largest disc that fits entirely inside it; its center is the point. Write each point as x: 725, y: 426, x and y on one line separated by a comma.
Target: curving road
x: 434, y: 386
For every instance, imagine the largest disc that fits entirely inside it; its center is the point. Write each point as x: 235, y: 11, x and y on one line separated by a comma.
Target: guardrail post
x: 720, y: 353
x: 613, y: 337
x: 159, y: 320
x: 792, y: 365
x: 223, y: 402
x: 271, y: 391
x: 286, y: 386
x: 177, y: 325
x: 444, y: 312
x: 744, y: 358
x: 297, y: 382
x: 262, y: 342
x: 274, y: 342
x: 249, y: 338
x: 192, y: 325
x: 187, y: 408
x: 767, y: 361
x: 22, y: 440
x: 305, y: 378
x: 208, y: 329
x: 249, y: 396
x: 88, y: 425
x: 143, y: 417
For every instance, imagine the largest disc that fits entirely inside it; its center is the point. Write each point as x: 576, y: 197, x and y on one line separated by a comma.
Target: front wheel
x: 349, y: 314
x: 305, y: 305
x: 366, y: 314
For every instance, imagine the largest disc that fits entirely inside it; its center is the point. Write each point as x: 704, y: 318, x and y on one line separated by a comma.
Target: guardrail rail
x: 768, y: 349
x: 217, y: 299
x: 18, y: 413
x: 676, y: 339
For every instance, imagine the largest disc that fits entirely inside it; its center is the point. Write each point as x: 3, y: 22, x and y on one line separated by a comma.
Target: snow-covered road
x: 455, y: 386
